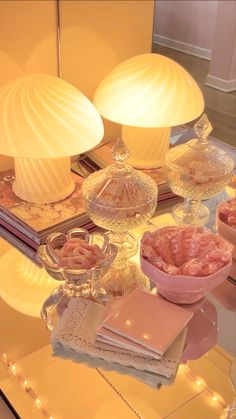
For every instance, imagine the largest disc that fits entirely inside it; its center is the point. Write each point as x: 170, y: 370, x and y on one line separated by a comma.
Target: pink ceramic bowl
x: 183, y: 289
x: 226, y: 232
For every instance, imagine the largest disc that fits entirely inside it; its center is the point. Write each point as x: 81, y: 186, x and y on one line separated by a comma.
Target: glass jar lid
x: 119, y: 185
x: 199, y: 157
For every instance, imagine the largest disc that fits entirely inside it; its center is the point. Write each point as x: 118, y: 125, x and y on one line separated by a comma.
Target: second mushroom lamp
x: 147, y: 94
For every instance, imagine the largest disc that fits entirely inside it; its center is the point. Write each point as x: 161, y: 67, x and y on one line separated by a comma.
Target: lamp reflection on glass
x: 23, y: 286
x: 44, y: 121
x: 148, y: 94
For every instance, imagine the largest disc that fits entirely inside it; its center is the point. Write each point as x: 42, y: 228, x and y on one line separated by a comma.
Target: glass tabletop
x: 40, y: 385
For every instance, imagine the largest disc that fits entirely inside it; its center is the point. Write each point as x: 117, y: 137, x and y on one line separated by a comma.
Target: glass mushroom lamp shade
x: 148, y: 94
x: 196, y: 171
x: 43, y: 122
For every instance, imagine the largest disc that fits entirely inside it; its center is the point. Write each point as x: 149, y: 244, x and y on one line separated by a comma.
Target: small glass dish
x: 76, y: 282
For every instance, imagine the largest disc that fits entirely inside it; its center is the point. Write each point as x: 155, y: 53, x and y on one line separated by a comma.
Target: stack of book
x: 147, y: 344
x: 27, y: 225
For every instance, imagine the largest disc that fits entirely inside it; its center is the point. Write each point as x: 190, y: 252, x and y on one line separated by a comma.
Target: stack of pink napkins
x: 139, y: 334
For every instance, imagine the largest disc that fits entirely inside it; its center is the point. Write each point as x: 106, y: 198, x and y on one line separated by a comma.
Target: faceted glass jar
x: 119, y: 198
x: 196, y: 171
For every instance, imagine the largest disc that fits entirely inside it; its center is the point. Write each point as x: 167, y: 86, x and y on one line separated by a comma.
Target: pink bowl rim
x: 188, y: 277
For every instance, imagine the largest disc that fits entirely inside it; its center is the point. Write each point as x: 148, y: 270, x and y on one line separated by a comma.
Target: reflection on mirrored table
x: 39, y: 385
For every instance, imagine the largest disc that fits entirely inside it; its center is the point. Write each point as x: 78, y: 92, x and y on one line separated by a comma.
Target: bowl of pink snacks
x: 184, y: 261
x: 226, y: 222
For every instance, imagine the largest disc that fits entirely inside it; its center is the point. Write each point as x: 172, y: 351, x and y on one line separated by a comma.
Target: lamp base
x: 43, y: 181
x: 147, y: 146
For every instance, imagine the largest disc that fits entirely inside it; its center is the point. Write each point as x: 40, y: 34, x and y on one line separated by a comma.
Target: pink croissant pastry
x: 78, y: 254
x: 185, y: 250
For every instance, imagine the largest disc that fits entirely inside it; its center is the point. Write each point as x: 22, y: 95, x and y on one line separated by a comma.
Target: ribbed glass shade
x: 43, y: 116
x: 23, y: 285
x: 149, y: 90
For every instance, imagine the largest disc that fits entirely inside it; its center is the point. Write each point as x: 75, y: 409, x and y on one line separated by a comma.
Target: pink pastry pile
x: 227, y: 212
x: 185, y: 250
x: 78, y: 254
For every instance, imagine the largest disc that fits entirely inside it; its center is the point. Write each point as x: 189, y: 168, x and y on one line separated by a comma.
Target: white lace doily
x: 76, y: 331
x: 151, y: 379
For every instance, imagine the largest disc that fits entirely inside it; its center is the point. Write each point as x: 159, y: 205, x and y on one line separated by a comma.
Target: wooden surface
x: 220, y: 107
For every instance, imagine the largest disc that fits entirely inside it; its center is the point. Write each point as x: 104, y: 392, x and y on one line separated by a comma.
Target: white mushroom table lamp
x: 44, y: 121
x: 148, y: 94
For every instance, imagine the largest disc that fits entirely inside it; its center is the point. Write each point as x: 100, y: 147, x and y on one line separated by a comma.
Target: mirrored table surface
x: 39, y: 385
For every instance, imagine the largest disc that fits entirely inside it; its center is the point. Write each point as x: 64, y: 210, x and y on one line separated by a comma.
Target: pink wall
x: 191, y: 22
x: 223, y: 60
x: 232, y: 74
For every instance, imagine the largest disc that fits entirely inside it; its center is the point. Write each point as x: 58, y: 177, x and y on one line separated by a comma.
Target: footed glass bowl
x: 76, y: 282
x: 118, y: 199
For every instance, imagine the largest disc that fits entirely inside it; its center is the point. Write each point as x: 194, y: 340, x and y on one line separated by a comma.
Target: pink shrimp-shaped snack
x: 192, y: 267
x: 172, y: 269
x: 176, y: 244
x: 185, y: 250
x: 163, y: 248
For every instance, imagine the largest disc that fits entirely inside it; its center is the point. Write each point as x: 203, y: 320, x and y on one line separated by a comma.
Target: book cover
x: 117, y: 341
x: 34, y: 242
x: 8, y: 228
x: 39, y: 219
x: 155, y: 327
x: 21, y: 245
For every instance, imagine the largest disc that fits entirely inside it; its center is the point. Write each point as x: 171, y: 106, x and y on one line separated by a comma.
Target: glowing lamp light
x: 148, y: 94
x: 23, y: 286
x: 43, y: 122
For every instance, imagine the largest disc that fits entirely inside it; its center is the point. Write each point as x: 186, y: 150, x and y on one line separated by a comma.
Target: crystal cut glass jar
x: 197, y: 170
x: 120, y: 198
